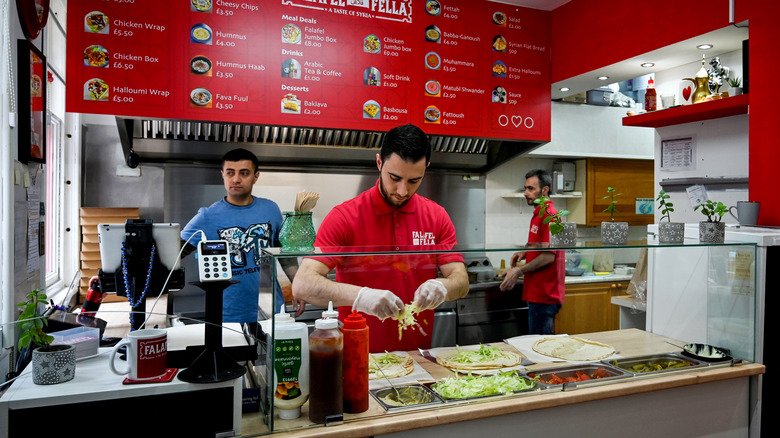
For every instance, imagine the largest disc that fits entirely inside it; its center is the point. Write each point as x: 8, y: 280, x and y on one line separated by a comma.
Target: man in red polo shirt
x: 390, y: 216
x: 544, y: 271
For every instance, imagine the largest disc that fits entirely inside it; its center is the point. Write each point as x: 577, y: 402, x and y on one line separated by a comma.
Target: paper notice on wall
x: 33, y: 228
x: 697, y: 195
x: 678, y: 154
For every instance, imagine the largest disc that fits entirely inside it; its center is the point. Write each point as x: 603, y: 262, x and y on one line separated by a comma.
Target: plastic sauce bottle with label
x: 326, y: 345
x: 291, y: 365
x: 651, y: 101
x: 355, y: 367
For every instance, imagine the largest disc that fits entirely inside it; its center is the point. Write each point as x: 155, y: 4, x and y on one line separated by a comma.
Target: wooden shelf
x: 714, y: 109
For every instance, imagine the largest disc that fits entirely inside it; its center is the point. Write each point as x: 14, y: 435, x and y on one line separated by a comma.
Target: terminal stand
x: 211, y: 362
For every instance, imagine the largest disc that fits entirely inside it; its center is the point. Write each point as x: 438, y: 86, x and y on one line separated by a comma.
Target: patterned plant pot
x: 712, y: 232
x: 671, y: 232
x: 614, y: 233
x: 53, y: 364
x: 567, y: 237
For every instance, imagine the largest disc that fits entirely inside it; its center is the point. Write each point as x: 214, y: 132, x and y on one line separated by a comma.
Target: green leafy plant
x: 666, y: 206
x: 548, y: 217
x: 714, y: 211
x: 612, y: 207
x: 735, y: 82
x: 31, y: 324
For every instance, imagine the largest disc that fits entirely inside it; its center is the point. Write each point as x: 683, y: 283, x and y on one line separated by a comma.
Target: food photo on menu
x: 433, y: 7
x: 96, y: 56
x: 200, y: 97
x: 291, y: 104
x: 499, y: 43
x: 201, y: 5
x: 200, y: 65
x: 291, y: 34
x: 432, y: 114
x: 200, y: 34
x: 433, y: 34
x: 96, y: 89
x: 371, y: 44
x: 433, y: 88
x: 96, y: 22
x: 372, y: 76
x: 432, y: 61
x: 499, y: 19
x: 372, y: 110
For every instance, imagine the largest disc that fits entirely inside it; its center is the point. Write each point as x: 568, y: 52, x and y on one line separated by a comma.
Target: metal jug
x: 702, y: 84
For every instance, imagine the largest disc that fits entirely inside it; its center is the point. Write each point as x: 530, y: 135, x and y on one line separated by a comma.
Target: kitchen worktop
x: 630, y: 342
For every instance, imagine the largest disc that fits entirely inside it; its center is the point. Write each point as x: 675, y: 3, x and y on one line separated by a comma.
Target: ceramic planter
x: 614, y: 233
x: 671, y: 232
x: 567, y: 237
x: 53, y: 364
x: 712, y: 232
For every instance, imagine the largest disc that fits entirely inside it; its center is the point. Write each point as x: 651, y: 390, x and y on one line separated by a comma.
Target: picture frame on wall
x: 31, y: 93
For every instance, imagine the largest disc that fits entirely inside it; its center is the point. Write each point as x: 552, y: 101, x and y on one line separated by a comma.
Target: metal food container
x: 421, y: 395
x: 656, y: 363
x: 595, y: 372
x: 536, y: 387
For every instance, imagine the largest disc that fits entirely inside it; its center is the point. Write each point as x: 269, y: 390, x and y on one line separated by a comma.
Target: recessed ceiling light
x: 647, y: 64
x: 704, y: 46
x: 602, y: 78
x: 564, y: 88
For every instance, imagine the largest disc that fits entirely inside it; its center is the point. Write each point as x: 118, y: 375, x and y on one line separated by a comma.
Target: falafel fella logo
x: 394, y: 10
x: 423, y: 238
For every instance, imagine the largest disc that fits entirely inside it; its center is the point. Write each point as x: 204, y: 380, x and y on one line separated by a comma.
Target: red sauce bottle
x: 651, y: 100
x: 355, y: 366
x: 326, y: 345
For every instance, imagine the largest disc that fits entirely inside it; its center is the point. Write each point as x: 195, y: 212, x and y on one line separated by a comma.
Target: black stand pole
x: 213, y: 363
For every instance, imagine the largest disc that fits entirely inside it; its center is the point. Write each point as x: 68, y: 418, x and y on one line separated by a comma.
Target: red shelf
x: 714, y: 109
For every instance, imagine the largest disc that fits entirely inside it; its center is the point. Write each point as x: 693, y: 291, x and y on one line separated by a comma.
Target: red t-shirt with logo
x: 546, y: 285
x: 367, y: 223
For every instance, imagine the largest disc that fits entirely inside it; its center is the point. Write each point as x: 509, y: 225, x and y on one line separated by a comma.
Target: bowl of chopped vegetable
x: 473, y: 386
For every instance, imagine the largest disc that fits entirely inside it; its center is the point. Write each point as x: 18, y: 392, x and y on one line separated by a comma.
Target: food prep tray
x: 425, y: 396
x: 608, y: 372
x: 536, y: 387
x: 707, y: 353
x: 653, y: 364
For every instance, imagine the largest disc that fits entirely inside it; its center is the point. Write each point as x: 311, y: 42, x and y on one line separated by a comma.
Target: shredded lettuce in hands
x: 407, y: 319
x: 478, y: 386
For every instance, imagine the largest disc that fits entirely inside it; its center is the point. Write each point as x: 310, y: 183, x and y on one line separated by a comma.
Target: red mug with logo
x: 147, y: 354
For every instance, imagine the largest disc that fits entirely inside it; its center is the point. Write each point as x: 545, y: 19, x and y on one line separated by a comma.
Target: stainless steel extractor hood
x: 167, y: 140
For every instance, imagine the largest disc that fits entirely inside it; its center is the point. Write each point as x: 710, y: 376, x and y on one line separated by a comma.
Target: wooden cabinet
x: 588, y: 308
x: 632, y: 178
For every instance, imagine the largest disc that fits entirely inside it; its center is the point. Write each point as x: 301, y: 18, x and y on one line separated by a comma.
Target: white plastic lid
x: 326, y: 324
x: 330, y: 313
x: 289, y: 414
x: 283, y: 316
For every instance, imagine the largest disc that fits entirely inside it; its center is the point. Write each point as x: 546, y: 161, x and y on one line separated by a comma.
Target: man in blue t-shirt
x: 248, y: 224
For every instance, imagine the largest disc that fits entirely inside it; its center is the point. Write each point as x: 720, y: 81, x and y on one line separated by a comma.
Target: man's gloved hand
x: 430, y: 294
x: 378, y: 302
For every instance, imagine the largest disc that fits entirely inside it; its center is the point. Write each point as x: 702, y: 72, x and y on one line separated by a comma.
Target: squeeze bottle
x: 355, y: 367
x: 326, y: 345
x: 651, y: 100
x: 291, y: 365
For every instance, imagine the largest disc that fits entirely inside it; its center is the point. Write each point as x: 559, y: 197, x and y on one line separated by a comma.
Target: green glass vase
x: 297, y: 233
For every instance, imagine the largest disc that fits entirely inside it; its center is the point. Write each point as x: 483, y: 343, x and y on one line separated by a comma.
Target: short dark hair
x: 545, y: 179
x: 240, y: 154
x: 409, y: 142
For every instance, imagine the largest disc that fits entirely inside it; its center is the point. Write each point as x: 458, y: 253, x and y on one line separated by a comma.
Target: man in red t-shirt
x: 389, y: 217
x: 544, y: 271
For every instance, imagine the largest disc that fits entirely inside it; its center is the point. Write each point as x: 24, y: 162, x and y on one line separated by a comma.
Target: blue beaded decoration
x: 128, y: 293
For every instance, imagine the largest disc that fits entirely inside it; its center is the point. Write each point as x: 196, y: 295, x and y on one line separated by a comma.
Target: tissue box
x: 86, y: 340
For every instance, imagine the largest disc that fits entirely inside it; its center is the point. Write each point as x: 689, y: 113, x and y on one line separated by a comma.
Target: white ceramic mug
x: 147, y: 354
x: 747, y: 212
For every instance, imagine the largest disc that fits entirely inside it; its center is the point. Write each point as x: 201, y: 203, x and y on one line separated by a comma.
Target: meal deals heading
x: 454, y: 67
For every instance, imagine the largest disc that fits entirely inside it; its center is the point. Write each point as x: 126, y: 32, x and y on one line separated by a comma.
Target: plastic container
x: 355, y: 364
x: 326, y: 344
x: 291, y: 365
x: 86, y: 340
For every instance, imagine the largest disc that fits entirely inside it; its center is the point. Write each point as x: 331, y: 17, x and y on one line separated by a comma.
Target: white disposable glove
x: 378, y: 302
x: 430, y: 294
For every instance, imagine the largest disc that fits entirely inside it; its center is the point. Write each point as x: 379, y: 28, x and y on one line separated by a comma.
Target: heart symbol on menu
x: 517, y: 121
x: 686, y: 92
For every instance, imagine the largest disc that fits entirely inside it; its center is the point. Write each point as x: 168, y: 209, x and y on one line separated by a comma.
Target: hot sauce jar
x: 355, y: 365
x: 326, y: 345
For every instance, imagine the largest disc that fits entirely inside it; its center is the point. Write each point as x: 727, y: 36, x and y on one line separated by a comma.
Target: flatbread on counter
x: 487, y: 357
x: 572, y: 348
x: 391, y: 364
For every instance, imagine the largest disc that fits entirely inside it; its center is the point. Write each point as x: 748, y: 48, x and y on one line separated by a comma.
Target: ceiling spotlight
x: 704, y: 46
x: 602, y: 78
x: 647, y: 64
x: 564, y: 88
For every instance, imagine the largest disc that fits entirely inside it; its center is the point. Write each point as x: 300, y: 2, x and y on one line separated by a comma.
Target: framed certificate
x: 31, y: 92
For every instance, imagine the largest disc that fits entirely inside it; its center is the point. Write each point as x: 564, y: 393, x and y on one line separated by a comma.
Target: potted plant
x: 562, y: 233
x: 668, y: 232
x: 736, y: 85
x: 713, y: 230
x: 613, y: 233
x: 50, y: 363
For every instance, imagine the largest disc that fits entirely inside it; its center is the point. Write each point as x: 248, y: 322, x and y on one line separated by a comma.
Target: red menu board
x: 453, y: 67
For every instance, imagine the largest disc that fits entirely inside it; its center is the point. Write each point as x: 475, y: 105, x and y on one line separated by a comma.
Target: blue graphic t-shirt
x: 247, y: 230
